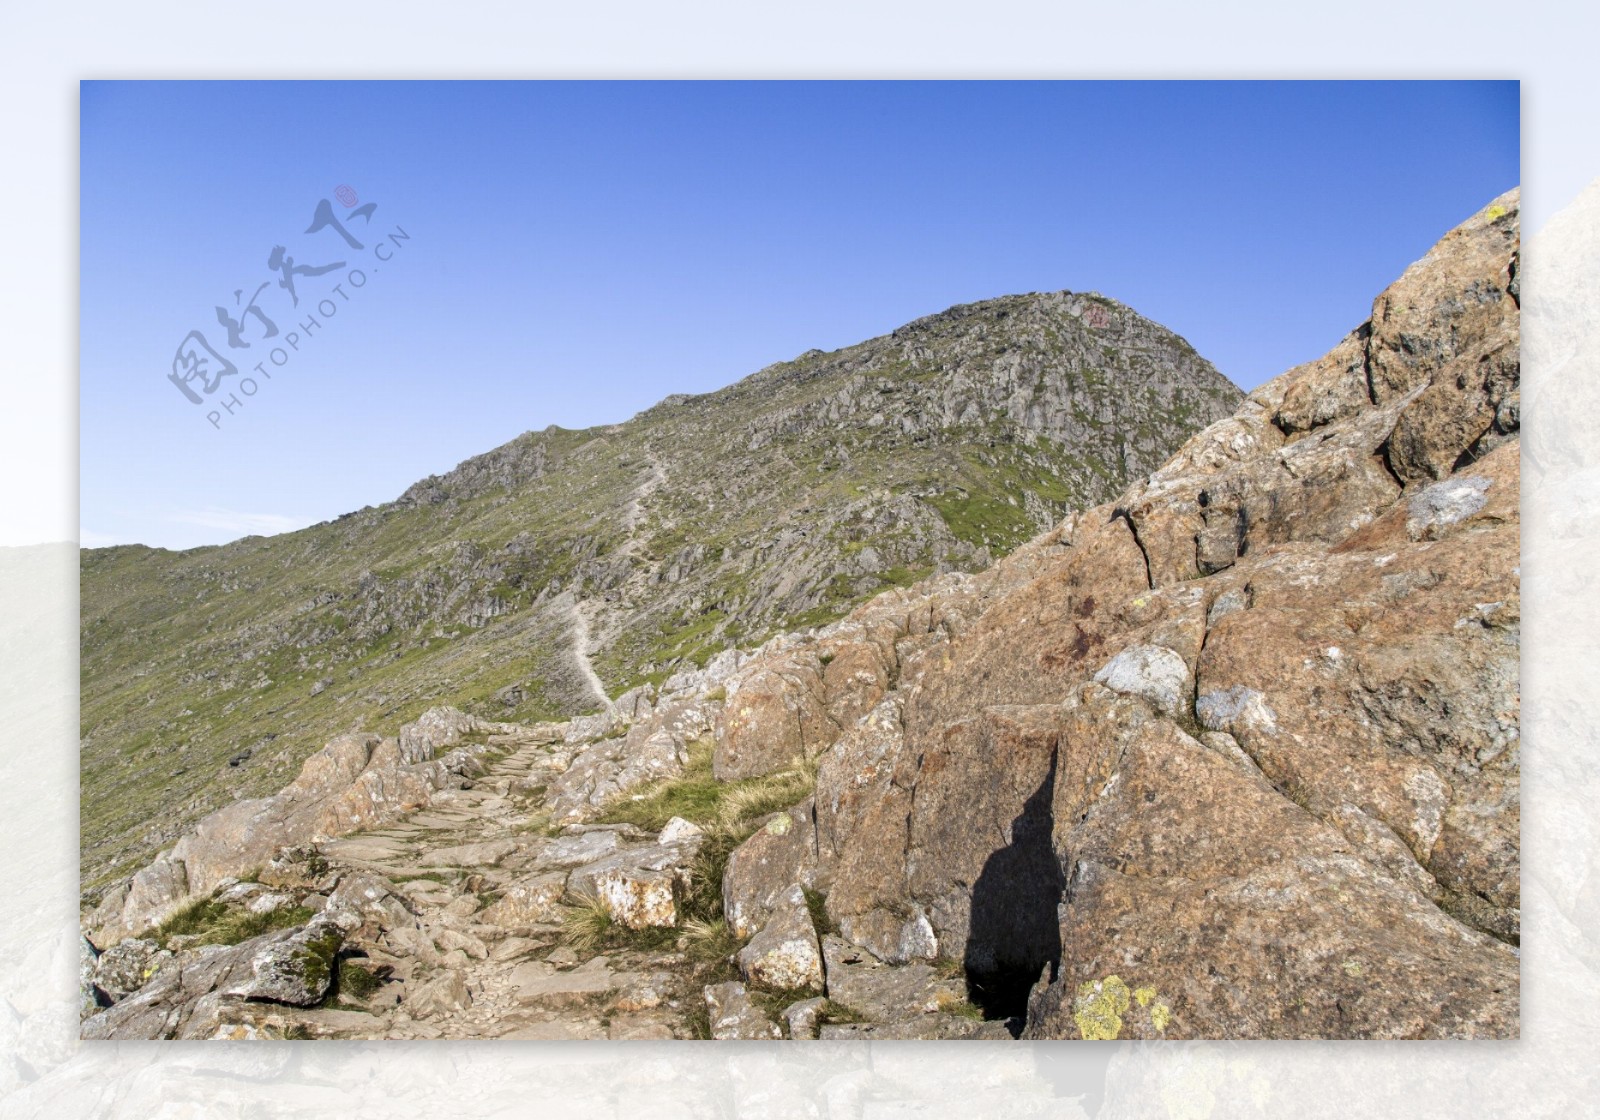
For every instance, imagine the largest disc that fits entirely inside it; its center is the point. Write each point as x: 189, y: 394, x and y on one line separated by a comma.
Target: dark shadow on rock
x: 1015, y: 932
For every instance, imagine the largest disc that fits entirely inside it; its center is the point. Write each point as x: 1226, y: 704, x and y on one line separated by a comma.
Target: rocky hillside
x: 1234, y: 755
x: 533, y: 581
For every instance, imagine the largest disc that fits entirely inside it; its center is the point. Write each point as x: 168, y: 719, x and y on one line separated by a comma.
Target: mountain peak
x: 623, y: 554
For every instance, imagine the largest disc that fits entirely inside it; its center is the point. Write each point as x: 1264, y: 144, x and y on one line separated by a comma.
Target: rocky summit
x: 1233, y: 754
x: 566, y: 567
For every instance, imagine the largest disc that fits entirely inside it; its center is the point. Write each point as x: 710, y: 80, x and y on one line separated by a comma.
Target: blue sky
x: 573, y: 252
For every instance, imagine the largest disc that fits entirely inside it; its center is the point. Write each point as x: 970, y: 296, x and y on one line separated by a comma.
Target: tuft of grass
x: 195, y: 917
x: 216, y: 923
x: 355, y: 981
x: 588, y: 927
x: 698, y: 1020
x: 585, y: 924
x: 965, y: 1008
x: 710, y: 946
x: 743, y: 803
x: 695, y: 795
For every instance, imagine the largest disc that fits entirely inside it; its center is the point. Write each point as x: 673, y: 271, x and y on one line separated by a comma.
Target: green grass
x: 984, y: 519
x: 216, y: 923
x: 832, y: 1011
x: 355, y: 982
x: 696, y: 796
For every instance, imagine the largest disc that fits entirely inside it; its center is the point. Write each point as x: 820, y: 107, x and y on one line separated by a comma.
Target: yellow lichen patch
x: 1099, y: 1006
x: 1496, y: 212
x: 780, y: 825
x: 1160, y: 1013
x: 1351, y: 968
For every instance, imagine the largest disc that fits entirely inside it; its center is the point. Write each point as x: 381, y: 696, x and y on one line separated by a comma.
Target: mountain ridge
x: 702, y: 522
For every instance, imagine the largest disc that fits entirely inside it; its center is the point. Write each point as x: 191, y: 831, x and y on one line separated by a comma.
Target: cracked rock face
x: 1235, y: 756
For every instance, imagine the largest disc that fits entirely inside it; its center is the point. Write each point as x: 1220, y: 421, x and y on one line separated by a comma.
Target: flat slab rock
x: 484, y: 854
x: 884, y: 993
x: 542, y: 983
x: 924, y: 1027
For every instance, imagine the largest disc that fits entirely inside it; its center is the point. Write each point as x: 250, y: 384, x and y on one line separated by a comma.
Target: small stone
x: 443, y: 994
x: 678, y: 829
x: 734, y: 1016
x: 802, y: 1017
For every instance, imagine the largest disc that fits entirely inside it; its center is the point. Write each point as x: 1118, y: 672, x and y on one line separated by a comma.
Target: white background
x: 45, y: 49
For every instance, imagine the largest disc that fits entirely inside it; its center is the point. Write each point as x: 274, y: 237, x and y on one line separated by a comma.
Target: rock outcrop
x: 1234, y: 756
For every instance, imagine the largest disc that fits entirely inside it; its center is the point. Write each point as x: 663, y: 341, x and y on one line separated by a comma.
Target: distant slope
x: 510, y: 585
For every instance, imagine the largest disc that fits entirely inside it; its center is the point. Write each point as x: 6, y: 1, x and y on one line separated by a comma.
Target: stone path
x: 473, y: 969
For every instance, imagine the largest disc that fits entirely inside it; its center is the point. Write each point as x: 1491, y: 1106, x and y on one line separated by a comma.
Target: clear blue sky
x: 578, y: 251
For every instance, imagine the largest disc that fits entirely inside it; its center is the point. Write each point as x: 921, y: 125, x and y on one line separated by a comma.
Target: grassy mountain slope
x: 528, y: 579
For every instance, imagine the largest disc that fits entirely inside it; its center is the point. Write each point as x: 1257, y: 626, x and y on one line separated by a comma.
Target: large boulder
x: 528, y: 902
x: 190, y: 995
x: 780, y: 854
x: 297, y: 968
x: 639, y: 887
x: 128, y: 966
x: 1237, y: 754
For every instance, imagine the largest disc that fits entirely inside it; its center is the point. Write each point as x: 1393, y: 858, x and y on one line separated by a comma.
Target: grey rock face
x: 1153, y: 673
x: 883, y: 993
x: 296, y: 968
